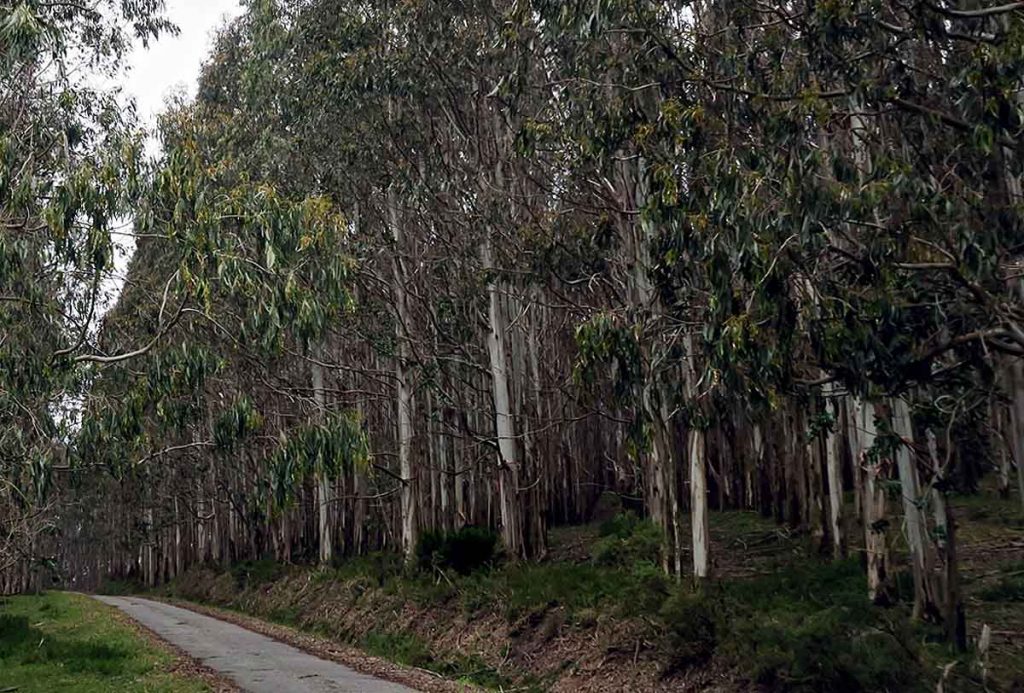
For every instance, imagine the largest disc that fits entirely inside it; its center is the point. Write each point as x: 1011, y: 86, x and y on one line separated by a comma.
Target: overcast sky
x: 172, y: 62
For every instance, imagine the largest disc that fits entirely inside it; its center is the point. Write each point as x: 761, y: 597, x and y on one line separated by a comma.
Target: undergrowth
x: 796, y: 623
x: 411, y: 650
x: 809, y: 628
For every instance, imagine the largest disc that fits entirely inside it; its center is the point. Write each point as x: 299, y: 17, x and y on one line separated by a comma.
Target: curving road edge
x: 256, y: 663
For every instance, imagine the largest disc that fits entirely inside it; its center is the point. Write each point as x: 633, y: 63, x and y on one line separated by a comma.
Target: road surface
x: 255, y: 662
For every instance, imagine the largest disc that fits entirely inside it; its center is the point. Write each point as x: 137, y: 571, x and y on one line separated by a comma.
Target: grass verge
x: 67, y: 642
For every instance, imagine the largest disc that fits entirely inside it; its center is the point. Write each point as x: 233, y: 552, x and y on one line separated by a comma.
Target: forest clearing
x: 598, y: 345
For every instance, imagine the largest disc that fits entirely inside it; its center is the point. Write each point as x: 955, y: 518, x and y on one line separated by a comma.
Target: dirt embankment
x: 540, y: 650
x: 600, y: 615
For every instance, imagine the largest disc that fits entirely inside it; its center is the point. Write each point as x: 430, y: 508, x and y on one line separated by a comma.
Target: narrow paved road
x: 255, y: 662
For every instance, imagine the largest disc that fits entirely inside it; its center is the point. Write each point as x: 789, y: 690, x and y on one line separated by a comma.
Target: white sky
x: 172, y: 62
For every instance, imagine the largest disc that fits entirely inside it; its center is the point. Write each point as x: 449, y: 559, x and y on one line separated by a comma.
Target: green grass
x: 809, y: 627
x: 410, y: 650
x: 1008, y: 589
x: 68, y: 642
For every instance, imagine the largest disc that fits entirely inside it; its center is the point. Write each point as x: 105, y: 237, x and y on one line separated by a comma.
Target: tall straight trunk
x: 833, y: 454
x: 533, y: 404
x: 498, y: 345
x: 697, y: 452
x: 404, y: 404
x: 953, y: 616
x: 323, y: 489
x: 998, y: 416
x: 699, y: 504
x: 661, y: 499
x: 915, y: 523
x: 359, y: 509
x: 150, y: 573
x: 433, y: 463
x: 673, y: 555
x: 178, y: 558
x: 800, y: 503
x: 873, y: 503
x: 938, y: 498
x: 655, y: 486
x: 763, y: 493
x: 815, y: 491
x: 1014, y: 195
x: 1017, y: 423
x: 504, y: 425
x: 200, y: 521
x: 461, y: 470
x: 444, y: 453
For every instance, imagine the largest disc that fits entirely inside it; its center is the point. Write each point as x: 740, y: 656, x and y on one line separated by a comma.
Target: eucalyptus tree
x: 776, y: 246
x: 70, y: 168
x: 894, y: 273
x: 817, y: 180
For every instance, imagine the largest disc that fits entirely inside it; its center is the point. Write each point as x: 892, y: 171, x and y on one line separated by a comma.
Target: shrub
x: 248, y: 573
x: 464, y: 551
x: 621, y: 525
x: 809, y: 628
x: 691, y: 629
x: 626, y: 540
x: 820, y: 651
x: 379, y: 567
x: 120, y: 587
x: 14, y: 630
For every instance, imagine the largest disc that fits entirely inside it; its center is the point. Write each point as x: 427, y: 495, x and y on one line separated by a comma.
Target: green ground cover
x: 68, y: 642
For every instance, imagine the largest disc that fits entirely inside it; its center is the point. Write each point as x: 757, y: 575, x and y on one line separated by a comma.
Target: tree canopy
x: 409, y: 266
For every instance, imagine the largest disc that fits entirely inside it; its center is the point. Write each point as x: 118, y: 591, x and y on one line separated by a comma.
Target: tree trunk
x: 508, y: 458
x: 873, y: 502
x: 699, y: 504
x: 323, y: 499
x: 914, y: 520
x: 833, y: 459
x: 1017, y: 424
x: 404, y: 404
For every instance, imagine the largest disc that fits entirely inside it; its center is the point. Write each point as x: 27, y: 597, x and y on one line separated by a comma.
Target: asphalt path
x: 254, y: 662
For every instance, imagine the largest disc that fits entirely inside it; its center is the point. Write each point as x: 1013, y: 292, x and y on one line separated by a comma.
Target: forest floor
x: 68, y: 642
x: 598, y: 615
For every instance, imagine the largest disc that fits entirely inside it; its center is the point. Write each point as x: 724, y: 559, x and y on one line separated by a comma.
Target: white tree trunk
x: 835, y: 480
x: 404, y: 404
x: 323, y: 488
x: 697, y: 448
x: 915, y: 523
x: 699, y: 504
x: 873, y: 501
x: 508, y: 460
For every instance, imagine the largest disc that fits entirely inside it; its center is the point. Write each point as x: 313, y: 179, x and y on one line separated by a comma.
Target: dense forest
x: 405, y: 268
